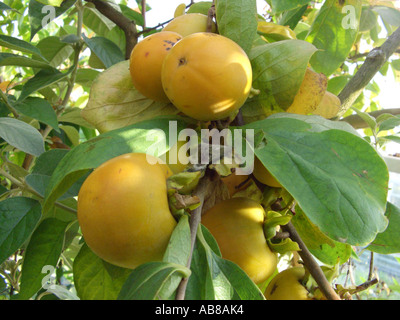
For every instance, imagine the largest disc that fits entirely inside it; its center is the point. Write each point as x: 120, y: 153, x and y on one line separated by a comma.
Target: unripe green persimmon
x: 286, y: 285
x: 237, y: 226
x: 207, y: 76
x: 123, y: 210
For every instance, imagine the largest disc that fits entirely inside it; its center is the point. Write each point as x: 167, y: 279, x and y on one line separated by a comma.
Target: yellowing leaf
x: 275, y: 31
x: 180, y: 10
x: 115, y: 103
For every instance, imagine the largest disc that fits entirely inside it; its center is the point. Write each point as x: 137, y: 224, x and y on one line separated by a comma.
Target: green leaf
x: 3, y: 6
x: 72, y: 134
x: 39, y: 16
x: 279, y: 6
x: 388, y: 241
x: 44, y: 249
x: 292, y: 17
x: 278, y: 71
x: 11, y: 59
x: 147, y: 280
x: 18, y: 219
x: 96, y: 279
x: 96, y: 21
x: 387, y: 121
x: 21, y: 136
x: 334, y: 31
x: 106, y: 50
x: 39, y: 109
x: 388, y: 15
x: 42, y: 79
x: 178, y: 251
x: 237, y: 21
x: 200, y: 7
x: 132, y: 14
x: 328, y: 171
x: 139, y: 137
x: 326, y: 250
x: 19, y: 45
x: 368, y: 19
x: 44, y: 167
x: 370, y: 120
x: 114, y: 102
x: 215, y: 278
x: 54, y: 50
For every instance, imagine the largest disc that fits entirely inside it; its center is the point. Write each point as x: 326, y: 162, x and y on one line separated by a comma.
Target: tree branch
x: 374, y: 61
x: 128, y: 26
x: 194, y: 222
x: 311, y: 265
x: 358, y: 123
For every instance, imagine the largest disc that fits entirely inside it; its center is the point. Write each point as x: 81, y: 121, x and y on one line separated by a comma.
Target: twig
x: 128, y: 26
x: 311, y: 265
x: 144, y: 13
x: 194, y: 222
x: 374, y: 61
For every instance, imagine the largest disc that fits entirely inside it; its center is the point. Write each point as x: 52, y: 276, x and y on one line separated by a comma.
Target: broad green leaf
x: 327, y: 170
x: 74, y: 116
x: 72, y: 134
x: 11, y: 59
x: 96, y: 21
x: 39, y: 109
x: 237, y: 21
x: 334, y: 32
x: 292, y: 18
x: 39, y: 16
x: 44, y: 167
x: 278, y: 71
x: 21, y: 136
x: 3, y: 6
x: 132, y: 14
x: 178, y: 251
x: 19, y: 45
x: 42, y: 79
x: 388, y: 121
x: 326, y: 250
x: 368, y: 19
x: 96, y: 279
x: 18, y: 219
x: 44, y: 249
x: 389, y: 15
x: 337, y: 83
x: 106, y: 50
x: 141, y: 137
x: 147, y: 280
x: 388, y: 241
x: 279, y: 6
x: 370, y: 120
x: 200, y: 7
x: 115, y: 103
x: 54, y: 50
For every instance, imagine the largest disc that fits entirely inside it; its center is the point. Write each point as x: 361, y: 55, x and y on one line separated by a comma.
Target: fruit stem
x: 194, y: 223
x: 311, y: 265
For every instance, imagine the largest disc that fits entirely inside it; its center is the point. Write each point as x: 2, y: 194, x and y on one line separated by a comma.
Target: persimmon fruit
x: 123, y: 210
